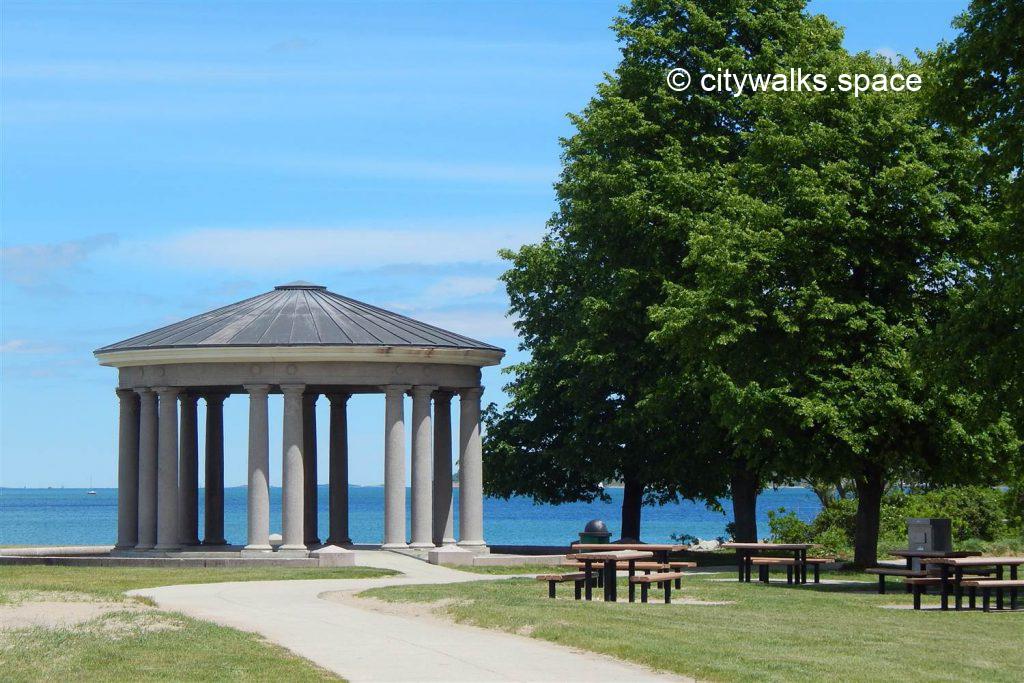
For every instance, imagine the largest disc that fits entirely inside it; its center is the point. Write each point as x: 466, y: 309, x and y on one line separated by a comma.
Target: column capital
x: 339, y: 397
x: 167, y: 391
x: 293, y: 389
x: 443, y: 395
x: 189, y: 397
x: 214, y: 397
x: 141, y: 391
x: 310, y: 397
x: 392, y: 389
x: 125, y: 394
x: 256, y: 388
x: 424, y: 390
x: 470, y: 393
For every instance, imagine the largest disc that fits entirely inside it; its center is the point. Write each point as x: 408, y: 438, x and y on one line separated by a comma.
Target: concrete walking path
x: 361, y: 644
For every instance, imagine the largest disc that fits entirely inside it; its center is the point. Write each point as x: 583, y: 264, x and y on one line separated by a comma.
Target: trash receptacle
x: 595, y: 532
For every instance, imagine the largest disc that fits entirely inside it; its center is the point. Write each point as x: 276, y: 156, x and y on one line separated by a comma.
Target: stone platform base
x: 196, y: 556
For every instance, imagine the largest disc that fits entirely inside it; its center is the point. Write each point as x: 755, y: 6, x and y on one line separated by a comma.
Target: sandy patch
x: 57, y: 610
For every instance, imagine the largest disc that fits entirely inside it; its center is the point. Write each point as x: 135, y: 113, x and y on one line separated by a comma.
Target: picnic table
x: 746, y: 551
x: 661, y: 550
x: 920, y: 555
x: 610, y: 559
x: 951, y: 571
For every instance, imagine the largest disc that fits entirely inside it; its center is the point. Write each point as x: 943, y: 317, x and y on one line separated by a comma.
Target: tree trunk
x: 632, y: 503
x: 869, y: 509
x: 744, y: 485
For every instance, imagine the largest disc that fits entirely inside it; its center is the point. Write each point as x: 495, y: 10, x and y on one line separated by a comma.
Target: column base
x: 144, y: 547
x: 291, y: 551
x: 166, y: 548
x: 394, y: 546
x: 422, y: 544
x: 451, y: 555
x: 256, y: 551
x: 475, y: 547
x: 213, y: 542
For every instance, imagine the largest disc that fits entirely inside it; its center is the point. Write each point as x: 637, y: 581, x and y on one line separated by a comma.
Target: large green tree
x: 979, y: 88
x: 597, y: 399
x: 850, y: 222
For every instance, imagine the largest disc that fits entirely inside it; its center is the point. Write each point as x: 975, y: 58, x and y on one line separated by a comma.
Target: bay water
x: 65, y: 516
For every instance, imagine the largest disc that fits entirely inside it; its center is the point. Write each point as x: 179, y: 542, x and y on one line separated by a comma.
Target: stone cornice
x: 299, y: 354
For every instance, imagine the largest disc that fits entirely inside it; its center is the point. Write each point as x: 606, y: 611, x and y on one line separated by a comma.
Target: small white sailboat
x: 91, y: 491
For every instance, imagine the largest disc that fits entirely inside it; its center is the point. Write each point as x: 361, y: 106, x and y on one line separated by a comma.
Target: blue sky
x: 162, y: 159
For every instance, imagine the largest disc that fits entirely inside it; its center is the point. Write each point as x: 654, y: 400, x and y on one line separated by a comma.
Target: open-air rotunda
x: 303, y: 342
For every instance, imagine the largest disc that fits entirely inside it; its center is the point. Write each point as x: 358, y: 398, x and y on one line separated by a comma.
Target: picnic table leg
x: 588, y: 585
x: 748, y: 566
x: 917, y: 595
x: 881, y: 584
x: 740, y: 563
x: 551, y: 589
x: 668, y: 592
x: 578, y: 586
x: 610, y: 582
x: 984, y: 599
x: 1013, y: 591
x: 999, y: 591
x: 958, y: 590
x: 972, y: 599
x: 944, y: 588
x: 803, y: 566
x: 910, y: 566
x: 632, y: 586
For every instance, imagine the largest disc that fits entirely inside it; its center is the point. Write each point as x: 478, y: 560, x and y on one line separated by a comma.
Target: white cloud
x: 460, y: 287
x: 486, y: 324
x: 888, y: 53
x: 257, y: 250
x: 35, y: 264
x: 25, y: 346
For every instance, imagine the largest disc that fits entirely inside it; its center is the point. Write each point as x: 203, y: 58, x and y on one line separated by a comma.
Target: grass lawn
x: 131, y: 641
x: 111, y: 582
x: 769, y: 632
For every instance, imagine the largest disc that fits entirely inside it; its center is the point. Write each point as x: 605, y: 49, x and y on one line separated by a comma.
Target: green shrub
x: 833, y: 542
x: 786, y: 527
x: 976, y: 513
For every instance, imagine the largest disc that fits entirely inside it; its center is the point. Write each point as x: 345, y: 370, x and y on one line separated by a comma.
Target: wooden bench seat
x: 883, y: 572
x: 664, y: 579
x: 554, y: 579
x: 764, y: 563
x: 989, y: 585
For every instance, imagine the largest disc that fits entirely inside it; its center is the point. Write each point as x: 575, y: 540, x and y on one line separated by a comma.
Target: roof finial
x: 300, y: 284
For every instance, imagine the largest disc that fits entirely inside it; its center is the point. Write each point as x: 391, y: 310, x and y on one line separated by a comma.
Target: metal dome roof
x: 298, y: 314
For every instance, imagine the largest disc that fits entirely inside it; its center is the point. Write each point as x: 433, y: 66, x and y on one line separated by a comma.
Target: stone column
x: 291, y: 469
x: 443, y: 531
x: 167, y: 471
x: 214, y: 507
x: 471, y: 481
x: 338, y: 484
x: 394, y: 466
x: 147, y: 468
x: 310, y: 517
x: 422, y: 508
x: 128, y: 470
x: 258, y: 507
x: 188, y: 472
